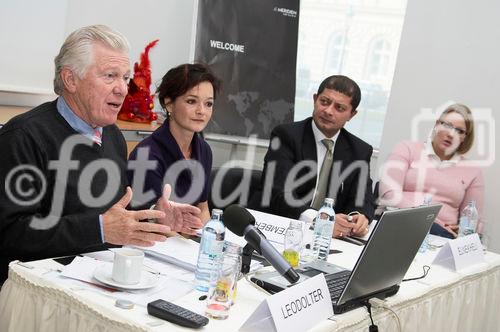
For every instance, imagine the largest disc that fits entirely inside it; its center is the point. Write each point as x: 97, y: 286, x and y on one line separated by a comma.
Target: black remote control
x: 176, y: 314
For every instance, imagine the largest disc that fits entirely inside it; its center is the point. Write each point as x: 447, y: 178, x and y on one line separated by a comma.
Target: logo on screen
x: 286, y: 11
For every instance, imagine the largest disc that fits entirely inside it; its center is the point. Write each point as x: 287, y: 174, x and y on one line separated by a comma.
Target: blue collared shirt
x: 74, y: 121
x: 81, y: 127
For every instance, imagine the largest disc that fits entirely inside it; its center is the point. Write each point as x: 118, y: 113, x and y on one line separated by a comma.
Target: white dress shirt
x: 321, y: 149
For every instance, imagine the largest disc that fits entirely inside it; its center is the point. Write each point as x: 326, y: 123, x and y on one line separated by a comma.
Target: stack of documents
x: 176, y: 250
x: 181, y: 252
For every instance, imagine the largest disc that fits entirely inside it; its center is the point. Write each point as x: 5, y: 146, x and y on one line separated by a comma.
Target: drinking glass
x: 220, y: 296
x: 293, y: 243
x: 484, y: 234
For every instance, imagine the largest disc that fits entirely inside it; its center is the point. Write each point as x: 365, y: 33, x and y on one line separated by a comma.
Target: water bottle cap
x: 216, y: 211
x: 329, y: 200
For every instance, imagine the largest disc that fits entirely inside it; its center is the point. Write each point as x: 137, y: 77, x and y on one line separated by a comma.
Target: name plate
x: 297, y: 308
x: 272, y: 226
x: 461, y: 253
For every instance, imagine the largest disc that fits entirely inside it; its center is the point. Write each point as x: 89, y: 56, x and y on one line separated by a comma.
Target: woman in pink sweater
x: 436, y: 167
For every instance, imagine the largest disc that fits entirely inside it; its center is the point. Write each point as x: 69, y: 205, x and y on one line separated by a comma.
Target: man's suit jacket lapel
x: 342, y: 157
x: 342, y: 151
x: 309, y: 143
x: 308, y: 151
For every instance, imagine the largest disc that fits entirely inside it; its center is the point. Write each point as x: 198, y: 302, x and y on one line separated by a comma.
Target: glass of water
x: 220, y: 295
x: 484, y: 234
x: 293, y: 243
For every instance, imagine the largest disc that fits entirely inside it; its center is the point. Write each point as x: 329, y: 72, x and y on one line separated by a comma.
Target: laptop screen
x: 389, y: 251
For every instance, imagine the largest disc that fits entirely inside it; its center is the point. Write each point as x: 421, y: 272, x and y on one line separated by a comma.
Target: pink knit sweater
x: 411, y: 171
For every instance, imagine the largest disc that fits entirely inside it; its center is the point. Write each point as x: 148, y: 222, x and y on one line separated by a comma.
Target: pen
x: 171, y: 260
x: 351, y: 240
x: 25, y: 265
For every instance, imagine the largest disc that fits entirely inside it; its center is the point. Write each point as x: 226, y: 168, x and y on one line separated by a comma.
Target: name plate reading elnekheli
x: 297, y: 308
x: 461, y: 253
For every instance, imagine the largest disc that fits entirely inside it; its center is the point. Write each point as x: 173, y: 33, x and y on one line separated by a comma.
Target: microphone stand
x: 247, y: 254
x: 246, y: 258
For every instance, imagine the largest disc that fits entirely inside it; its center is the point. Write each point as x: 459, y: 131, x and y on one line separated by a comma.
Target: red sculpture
x: 138, y: 104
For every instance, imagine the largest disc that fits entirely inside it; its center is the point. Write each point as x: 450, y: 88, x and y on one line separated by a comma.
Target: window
x: 336, y: 53
x: 354, y: 38
x: 378, y: 61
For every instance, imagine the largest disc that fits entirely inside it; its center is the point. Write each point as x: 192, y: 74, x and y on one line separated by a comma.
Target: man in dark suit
x: 317, y: 158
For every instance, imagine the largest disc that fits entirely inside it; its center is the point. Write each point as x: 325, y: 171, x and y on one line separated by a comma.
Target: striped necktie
x: 97, y: 137
x: 324, y: 174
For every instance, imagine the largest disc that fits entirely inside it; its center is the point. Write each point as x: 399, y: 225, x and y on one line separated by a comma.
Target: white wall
x: 449, y: 51
x: 32, y: 31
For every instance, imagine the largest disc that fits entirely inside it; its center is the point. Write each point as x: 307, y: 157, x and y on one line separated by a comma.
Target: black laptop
x: 380, y: 268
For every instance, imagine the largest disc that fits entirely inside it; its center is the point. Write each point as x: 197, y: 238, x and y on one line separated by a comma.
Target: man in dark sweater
x: 64, y: 163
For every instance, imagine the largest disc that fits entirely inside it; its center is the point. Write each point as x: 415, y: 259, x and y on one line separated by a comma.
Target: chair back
x: 226, y: 190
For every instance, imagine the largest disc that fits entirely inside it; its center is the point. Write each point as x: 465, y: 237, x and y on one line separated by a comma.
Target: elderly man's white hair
x: 76, y: 52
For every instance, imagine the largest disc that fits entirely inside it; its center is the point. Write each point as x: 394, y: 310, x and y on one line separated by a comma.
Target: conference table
x: 36, y: 298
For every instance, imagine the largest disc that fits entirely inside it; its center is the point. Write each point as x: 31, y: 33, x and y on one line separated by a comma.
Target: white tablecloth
x: 443, y: 301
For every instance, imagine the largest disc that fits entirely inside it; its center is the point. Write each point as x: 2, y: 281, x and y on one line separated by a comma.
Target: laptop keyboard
x: 336, y: 283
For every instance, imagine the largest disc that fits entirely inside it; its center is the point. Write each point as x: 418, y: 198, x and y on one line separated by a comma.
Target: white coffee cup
x: 127, y: 265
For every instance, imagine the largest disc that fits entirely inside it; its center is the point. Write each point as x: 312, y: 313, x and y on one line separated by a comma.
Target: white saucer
x: 103, y: 274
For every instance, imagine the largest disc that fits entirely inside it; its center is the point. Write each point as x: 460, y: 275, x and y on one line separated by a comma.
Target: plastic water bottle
x: 468, y: 219
x: 210, y: 253
x: 323, y: 230
x: 425, y: 243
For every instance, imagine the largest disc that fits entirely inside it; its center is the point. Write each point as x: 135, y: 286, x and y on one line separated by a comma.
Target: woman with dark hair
x: 437, y: 167
x: 175, y: 153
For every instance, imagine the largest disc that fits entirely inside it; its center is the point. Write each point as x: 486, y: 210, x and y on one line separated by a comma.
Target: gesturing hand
x: 179, y: 217
x: 342, y: 225
x: 122, y: 226
x: 360, y: 227
x: 345, y: 225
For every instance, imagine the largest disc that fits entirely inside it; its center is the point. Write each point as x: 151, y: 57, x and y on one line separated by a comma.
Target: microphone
x: 241, y: 222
